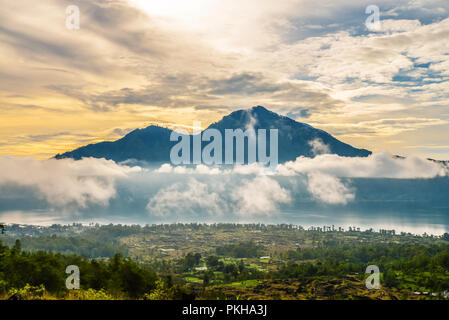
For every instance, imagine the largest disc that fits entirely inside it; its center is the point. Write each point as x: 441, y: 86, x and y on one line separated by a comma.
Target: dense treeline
x: 70, y: 245
x: 124, y: 230
x: 119, y: 277
x: 112, y: 232
x: 240, y: 250
x: 408, y: 267
x: 425, y: 266
x: 379, y: 253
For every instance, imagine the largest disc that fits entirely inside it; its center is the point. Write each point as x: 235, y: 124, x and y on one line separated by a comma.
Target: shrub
x: 28, y: 293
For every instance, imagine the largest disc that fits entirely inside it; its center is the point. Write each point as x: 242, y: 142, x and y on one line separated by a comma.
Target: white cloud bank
x: 322, y: 176
x: 63, y: 182
x: 68, y: 188
x: 260, y: 196
x: 378, y: 165
x: 233, y: 194
x: 186, y: 199
x: 328, y: 189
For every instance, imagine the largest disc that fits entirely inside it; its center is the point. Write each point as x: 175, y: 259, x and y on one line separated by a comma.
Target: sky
x: 140, y: 62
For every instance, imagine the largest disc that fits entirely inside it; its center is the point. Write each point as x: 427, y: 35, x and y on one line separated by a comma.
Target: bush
x: 89, y: 294
x: 28, y: 293
x: 3, y: 286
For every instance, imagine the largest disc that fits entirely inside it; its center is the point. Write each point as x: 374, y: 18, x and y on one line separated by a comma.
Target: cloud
x: 230, y: 195
x: 65, y: 182
x: 381, y: 127
x: 100, y: 189
x: 328, y: 189
x: 325, y: 177
x: 245, y: 83
x: 391, y: 25
x: 199, y: 169
x: 249, y: 169
x: 185, y: 200
x: 260, y: 196
x: 45, y: 137
x: 129, y: 64
x: 377, y: 165
x: 325, y: 172
x: 298, y: 113
x: 319, y: 147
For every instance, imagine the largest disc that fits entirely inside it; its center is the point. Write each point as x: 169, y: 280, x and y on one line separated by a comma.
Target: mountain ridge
x: 152, y: 144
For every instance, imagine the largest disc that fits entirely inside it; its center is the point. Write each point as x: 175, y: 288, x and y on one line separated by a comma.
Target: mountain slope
x: 153, y: 143
x: 150, y: 144
x: 295, y: 138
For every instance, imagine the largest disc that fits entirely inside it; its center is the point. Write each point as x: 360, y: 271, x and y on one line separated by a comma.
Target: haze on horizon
x: 137, y: 62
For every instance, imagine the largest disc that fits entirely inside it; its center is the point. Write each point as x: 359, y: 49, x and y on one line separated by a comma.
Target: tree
x: 191, y: 260
x: 197, y: 258
x: 121, y: 277
x: 206, y: 279
x: 17, y: 246
x: 132, y: 280
x: 169, y: 281
x: 231, y: 269
x: 211, y: 261
x: 241, y: 266
x: 389, y: 279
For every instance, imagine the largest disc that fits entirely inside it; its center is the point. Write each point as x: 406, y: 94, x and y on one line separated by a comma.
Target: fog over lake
x: 97, y: 190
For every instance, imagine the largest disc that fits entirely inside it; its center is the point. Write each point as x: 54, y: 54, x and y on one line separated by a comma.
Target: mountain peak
x: 260, y: 109
x: 257, y: 116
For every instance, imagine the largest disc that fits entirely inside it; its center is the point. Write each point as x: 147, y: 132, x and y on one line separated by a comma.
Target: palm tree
x: 2, y: 226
